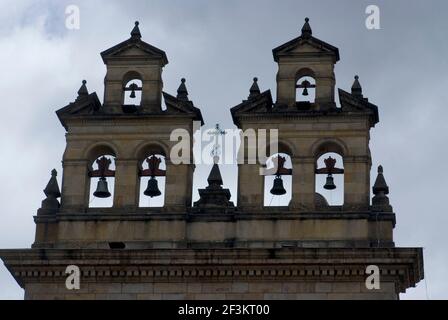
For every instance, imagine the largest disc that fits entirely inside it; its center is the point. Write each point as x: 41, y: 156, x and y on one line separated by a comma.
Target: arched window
x: 305, y: 90
x: 329, y: 180
x: 278, y: 180
x: 132, y: 91
x: 152, y: 181
x: 102, y: 181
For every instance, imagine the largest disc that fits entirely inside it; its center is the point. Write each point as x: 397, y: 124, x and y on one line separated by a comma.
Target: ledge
x: 404, y: 266
x: 204, y: 217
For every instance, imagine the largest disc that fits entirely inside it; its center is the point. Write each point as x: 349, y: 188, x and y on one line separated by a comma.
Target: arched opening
x: 278, y: 180
x: 305, y: 90
x: 152, y: 173
x: 329, y: 180
x: 102, y: 181
x: 132, y: 91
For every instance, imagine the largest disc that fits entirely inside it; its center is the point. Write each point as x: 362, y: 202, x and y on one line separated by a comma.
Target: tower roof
x: 306, y: 37
x: 134, y: 41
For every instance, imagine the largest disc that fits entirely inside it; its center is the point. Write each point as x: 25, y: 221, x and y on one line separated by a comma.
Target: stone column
x: 178, y: 188
x: 303, y: 183
x: 75, y: 185
x: 356, y: 183
x: 286, y: 86
x: 250, y: 187
x: 324, y: 90
x: 126, y: 184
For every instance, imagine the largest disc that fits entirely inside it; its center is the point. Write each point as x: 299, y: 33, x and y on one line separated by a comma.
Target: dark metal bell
x: 101, y: 189
x: 277, y: 188
x: 132, y: 94
x: 153, y: 188
x: 305, y: 92
x: 329, y: 185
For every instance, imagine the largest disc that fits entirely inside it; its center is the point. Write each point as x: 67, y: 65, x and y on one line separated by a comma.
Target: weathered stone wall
x: 235, y: 290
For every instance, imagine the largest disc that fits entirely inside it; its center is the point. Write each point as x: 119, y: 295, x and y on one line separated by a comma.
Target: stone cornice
x: 272, y: 215
x: 402, y: 265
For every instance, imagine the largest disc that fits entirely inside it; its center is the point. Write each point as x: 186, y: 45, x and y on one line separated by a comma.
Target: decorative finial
x: 83, y: 92
x: 380, y: 200
x: 52, y: 191
x: 356, y: 88
x: 182, y: 92
x: 135, y: 33
x: 306, y: 29
x: 214, y: 178
x: 216, y: 152
x: 380, y: 187
x: 52, y: 188
x: 254, y: 89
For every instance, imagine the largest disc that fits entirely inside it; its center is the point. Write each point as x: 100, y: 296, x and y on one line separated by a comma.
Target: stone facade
x: 289, y: 273
x: 214, y: 249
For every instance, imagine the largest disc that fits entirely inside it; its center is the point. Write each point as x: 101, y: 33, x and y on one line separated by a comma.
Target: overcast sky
x: 219, y: 46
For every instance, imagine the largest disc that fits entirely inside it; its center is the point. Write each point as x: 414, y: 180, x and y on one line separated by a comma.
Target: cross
x: 216, y: 133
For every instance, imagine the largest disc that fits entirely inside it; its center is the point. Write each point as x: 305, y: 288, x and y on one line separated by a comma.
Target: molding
x: 401, y: 265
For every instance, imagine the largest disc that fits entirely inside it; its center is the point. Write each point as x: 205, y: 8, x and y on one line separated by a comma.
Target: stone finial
x: 182, y: 92
x: 214, y: 198
x: 380, y: 185
x: 135, y: 33
x: 306, y: 29
x: 52, y: 188
x: 254, y: 89
x: 214, y: 179
x: 52, y: 192
x: 356, y: 88
x: 83, y: 92
x: 380, y: 201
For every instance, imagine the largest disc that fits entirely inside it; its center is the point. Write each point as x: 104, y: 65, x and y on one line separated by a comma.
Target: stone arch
x: 327, y: 145
x: 145, y: 148
x: 131, y: 75
x: 305, y: 72
x: 284, y: 146
x: 97, y: 149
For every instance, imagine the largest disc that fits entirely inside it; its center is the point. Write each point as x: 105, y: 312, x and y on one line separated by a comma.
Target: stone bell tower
x: 213, y: 249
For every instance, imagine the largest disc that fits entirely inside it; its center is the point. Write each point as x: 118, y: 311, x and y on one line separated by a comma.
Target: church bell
x: 153, y: 188
x: 305, y: 85
x: 132, y: 94
x: 277, y: 188
x: 102, y: 190
x: 329, y: 185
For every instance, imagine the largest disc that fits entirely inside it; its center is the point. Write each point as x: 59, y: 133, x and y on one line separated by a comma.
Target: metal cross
x: 215, y: 153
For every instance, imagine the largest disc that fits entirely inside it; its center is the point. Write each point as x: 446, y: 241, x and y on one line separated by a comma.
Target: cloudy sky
x: 219, y: 46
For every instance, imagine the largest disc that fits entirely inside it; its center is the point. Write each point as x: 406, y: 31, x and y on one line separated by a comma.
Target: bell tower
x: 125, y: 143
x: 309, y: 129
x: 128, y: 62
x: 126, y: 151
x: 306, y: 56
